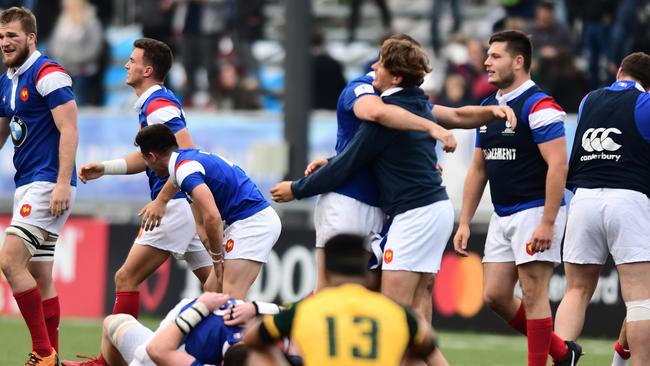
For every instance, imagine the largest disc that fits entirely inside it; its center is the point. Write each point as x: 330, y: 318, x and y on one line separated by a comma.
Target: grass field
x: 461, y: 349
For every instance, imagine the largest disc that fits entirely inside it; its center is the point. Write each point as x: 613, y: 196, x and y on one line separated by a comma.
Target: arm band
x: 114, y: 167
x: 263, y: 308
x: 190, y: 317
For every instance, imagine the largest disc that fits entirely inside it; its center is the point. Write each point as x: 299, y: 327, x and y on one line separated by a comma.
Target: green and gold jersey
x: 347, y: 325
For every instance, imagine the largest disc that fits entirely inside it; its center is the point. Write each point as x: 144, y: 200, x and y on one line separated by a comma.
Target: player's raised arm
x: 473, y: 116
x: 65, y: 119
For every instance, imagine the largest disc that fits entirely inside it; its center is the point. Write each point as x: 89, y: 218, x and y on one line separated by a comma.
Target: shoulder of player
x: 158, y: 101
x: 45, y: 66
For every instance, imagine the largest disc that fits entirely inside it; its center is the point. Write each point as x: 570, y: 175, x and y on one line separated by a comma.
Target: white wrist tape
x: 266, y: 308
x: 114, y: 167
x: 190, y: 317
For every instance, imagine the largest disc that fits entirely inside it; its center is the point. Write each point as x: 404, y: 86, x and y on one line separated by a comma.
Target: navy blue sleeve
x: 477, y: 143
x: 642, y: 115
x: 367, y: 143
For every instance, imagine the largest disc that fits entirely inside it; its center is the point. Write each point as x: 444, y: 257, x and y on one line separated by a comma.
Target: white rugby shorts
x: 508, y: 236
x: 252, y: 238
x: 32, y: 206
x: 339, y: 214
x: 416, y: 239
x: 177, y: 235
x: 606, y: 221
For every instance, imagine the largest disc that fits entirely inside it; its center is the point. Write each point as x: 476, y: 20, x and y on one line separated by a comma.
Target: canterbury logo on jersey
x: 500, y: 153
x: 599, y: 140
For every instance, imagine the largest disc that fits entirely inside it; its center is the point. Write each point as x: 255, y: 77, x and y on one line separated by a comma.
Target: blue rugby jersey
x: 159, y: 105
x: 514, y: 165
x: 236, y: 196
x: 29, y: 93
x: 361, y: 184
x: 611, y: 147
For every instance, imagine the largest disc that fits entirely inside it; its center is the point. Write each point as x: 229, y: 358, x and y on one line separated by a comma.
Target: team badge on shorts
x: 24, y: 94
x: 388, y: 256
x: 25, y: 210
x: 229, y: 245
x: 529, y: 249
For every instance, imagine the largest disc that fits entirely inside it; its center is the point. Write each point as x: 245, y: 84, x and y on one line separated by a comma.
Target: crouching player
x: 206, y: 328
x: 219, y: 191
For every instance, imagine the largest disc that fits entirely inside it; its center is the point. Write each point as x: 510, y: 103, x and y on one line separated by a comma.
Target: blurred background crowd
x: 229, y: 53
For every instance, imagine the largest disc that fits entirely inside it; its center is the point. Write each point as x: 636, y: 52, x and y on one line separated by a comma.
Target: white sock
x: 618, y: 360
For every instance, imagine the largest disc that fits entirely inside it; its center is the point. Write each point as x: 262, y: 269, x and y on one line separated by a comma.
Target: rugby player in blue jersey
x: 241, y: 227
x: 39, y: 112
x: 353, y: 206
x: 526, y: 169
x: 195, y: 332
x: 609, y: 171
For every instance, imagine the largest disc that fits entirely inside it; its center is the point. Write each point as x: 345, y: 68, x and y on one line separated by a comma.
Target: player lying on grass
x: 195, y: 332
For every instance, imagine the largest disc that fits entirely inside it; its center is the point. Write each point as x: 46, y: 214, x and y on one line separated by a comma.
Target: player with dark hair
x: 39, y: 112
x: 609, y: 171
x: 176, y: 235
x: 345, y: 323
x: 220, y: 193
x: 527, y: 171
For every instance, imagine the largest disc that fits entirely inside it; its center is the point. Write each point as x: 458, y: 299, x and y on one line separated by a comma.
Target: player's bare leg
x: 13, y: 261
x: 635, y: 289
x: 581, y: 284
x: 499, y: 280
x: 400, y: 286
x: 320, y: 269
x: 238, y: 276
x: 141, y: 262
x: 422, y: 300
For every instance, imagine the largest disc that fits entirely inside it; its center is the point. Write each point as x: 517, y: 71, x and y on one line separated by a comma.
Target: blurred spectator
x: 597, y: 16
x: 156, y: 19
x: 518, y: 14
x: 455, y: 92
x: 622, y: 42
x: 202, y: 24
x: 47, y: 12
x: 355, y: 7
x: 77, y: 42
x: 480, y: 86
x: 248, y: 27
x: 562, y: 79
x: 327, y: 75
x: 548, y: 35
x: 235, y: 91
x: 642, y: 41
x: 456, y: 14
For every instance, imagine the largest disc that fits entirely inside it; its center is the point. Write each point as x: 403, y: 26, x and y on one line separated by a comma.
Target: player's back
x: 236, y: 196
x: 349, y: 325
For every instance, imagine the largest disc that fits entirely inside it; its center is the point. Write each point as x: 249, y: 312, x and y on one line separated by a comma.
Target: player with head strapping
x: 609, y: 171
x: 526, y: 169
x: 39, y: 112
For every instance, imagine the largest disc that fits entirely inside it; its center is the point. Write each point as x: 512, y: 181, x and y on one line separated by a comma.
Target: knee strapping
x: 31, y: 235
x: 638, y: 310
x: 118, y: 322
